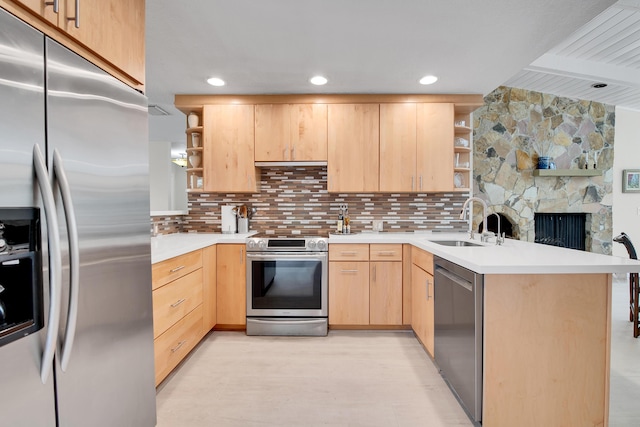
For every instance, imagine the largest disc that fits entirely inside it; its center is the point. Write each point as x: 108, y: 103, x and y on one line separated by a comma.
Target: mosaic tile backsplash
x: 294, y: 200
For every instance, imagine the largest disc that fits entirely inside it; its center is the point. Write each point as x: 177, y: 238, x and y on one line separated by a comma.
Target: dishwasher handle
x: 455, y: 279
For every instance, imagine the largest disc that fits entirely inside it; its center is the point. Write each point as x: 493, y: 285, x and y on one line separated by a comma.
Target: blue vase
x: 544, y: 162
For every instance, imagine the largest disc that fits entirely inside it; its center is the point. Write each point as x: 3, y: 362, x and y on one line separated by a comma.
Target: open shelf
x: 567, y: 172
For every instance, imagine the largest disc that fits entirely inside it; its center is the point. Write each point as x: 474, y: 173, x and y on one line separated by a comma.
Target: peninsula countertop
x: 512, y: 257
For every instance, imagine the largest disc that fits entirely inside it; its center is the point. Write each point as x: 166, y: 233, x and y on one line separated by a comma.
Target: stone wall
x: 513, y: 128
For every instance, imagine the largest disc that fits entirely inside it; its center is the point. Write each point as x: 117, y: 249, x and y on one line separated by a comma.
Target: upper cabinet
x: 228, y: 149
x: 416, y: 147
x: 435, y: 147
x: 109, y: 33
x: 291, y: 133
x: 353, y: 147
x: 398, y: 148
x: 370, y: 143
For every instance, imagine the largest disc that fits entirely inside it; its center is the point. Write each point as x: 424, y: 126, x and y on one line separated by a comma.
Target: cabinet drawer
x: 385, y: 252
x: 173, y: 301
x: 168, y: 270
x: 422, y: 259
x: 172, y: 346
x: 349, y: 252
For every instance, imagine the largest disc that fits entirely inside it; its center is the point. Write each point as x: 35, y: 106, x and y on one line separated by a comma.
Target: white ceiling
x: 385, y: 46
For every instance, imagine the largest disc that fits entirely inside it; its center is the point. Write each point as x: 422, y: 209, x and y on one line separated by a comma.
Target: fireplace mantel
x: 567, y: 172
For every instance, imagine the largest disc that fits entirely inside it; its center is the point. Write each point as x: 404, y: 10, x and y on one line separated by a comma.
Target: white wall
x: 160, y: 175
x: 626, y: 206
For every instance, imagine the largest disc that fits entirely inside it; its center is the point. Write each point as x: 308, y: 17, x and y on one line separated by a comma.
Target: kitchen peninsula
x: 547, y: 314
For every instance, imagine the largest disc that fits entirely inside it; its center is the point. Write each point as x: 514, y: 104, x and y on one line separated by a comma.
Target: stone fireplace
x: 515, y: 126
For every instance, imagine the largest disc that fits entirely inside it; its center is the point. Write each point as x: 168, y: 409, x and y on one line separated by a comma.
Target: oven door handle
x: 289, y: 256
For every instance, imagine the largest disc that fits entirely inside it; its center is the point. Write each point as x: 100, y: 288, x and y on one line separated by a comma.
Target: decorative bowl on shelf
x: 194, y: 160
x: 460, y: 142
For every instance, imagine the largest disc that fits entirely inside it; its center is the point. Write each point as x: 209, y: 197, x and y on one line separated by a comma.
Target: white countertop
x: 513, y: 257
x: 168, y: 246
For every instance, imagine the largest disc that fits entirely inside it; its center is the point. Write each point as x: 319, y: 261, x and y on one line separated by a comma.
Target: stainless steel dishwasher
x: 458, y: 332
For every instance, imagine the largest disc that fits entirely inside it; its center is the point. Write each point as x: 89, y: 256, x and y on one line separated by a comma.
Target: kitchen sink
x: 455, y: 243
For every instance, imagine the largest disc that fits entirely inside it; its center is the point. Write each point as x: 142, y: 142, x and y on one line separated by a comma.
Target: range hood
x: 289, y: 164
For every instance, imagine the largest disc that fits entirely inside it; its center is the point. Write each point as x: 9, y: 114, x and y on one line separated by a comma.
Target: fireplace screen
x: 567, y: 230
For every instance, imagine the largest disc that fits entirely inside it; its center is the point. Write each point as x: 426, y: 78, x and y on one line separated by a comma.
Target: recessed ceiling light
x: 318, y: 80
x: 428, y: 80
x: 215, y: 81
x: 599, y: 85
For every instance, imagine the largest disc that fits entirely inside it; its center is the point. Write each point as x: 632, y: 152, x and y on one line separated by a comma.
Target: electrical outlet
x: 377, y: 225
x: 638, y: 212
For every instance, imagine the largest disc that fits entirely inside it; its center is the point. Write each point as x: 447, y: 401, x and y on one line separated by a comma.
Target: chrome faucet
x: 485, y: 234
x: 499, y: 237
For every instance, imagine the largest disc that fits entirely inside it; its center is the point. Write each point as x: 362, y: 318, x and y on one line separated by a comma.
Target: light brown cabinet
x: 353, y: 147
x: 435, y: 157
x: 228, y: 155
x: 231, y: 289
x: 290, y: 132
x: 416, y: 147
x: 385, y: 284
x: 365, y: 285
x: 178, y: 310
x: 422, y: 297
x: 109, y: 30
x: 209, y: 289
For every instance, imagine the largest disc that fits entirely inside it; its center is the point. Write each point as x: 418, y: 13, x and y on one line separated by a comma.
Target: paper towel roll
x: 229, y: 224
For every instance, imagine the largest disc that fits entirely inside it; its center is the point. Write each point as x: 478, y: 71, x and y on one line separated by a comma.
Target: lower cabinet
x: 365, y: 285
x: 422, y: 298
x: 348, y: 293
x: 174, y: 344
x: 177, y: 310
x: 231, y: 287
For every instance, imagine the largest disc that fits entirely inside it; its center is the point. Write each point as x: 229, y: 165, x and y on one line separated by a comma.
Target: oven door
x: 287, y: 284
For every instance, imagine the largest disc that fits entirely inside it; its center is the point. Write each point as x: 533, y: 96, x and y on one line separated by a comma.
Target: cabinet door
x: 114, y: 29
x: 422, y: 306
x: 209, y: 281
x: 308, y: 132
x: 435, y: 136
x: 38, y: 7
x: 348, y: 293
x: 385, y: 293
x: 353, y: 147
x: 273, y: 134
x: 231, y: 285
x: 229, y: 148
x: 398, y: 147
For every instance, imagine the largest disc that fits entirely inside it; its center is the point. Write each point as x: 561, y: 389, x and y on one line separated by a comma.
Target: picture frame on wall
x: 631, y: 181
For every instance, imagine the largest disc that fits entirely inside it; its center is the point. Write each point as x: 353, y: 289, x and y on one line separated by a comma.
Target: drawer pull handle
x: 177, y: 303
x: 180, y: 344
x: 173, y: 270
x: 386, y: 253
x: 349, y: 271
x: 348, y: 253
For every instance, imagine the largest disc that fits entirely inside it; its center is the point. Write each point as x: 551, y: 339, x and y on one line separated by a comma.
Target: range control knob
x: 262, y: 244
x: 312, y: 244
x: 251, y: 244
x: 322, y: 245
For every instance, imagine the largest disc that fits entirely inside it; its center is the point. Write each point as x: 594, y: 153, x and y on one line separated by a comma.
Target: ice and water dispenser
x: 21, y: 299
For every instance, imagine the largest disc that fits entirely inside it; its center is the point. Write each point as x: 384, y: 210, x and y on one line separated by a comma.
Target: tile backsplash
x: 294, y: 200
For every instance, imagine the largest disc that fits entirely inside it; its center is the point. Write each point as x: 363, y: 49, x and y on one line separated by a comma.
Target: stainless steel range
x: 287, y: 285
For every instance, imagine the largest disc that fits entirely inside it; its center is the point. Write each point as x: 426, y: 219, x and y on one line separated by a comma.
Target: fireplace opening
x: 506, y: 226
x: 567, y: 230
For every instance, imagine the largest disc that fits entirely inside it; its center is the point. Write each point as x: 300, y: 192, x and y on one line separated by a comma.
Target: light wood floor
x: 347, y: 379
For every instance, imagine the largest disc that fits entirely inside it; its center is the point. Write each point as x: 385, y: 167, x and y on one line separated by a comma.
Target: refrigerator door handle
x: 74, y: 259
x: 55, y: 262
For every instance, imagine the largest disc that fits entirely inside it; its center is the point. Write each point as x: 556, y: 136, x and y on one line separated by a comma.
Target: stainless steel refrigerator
x: 73, y: 152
